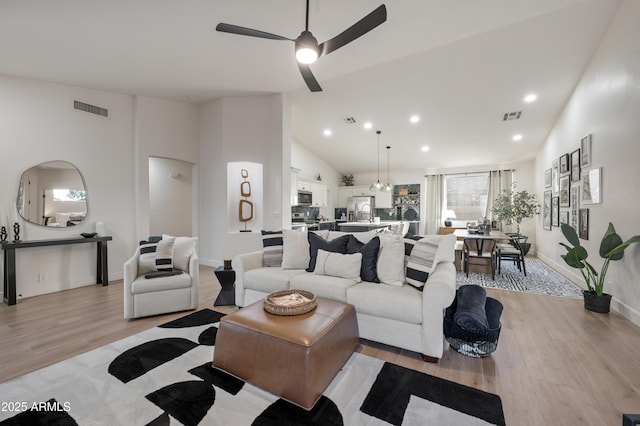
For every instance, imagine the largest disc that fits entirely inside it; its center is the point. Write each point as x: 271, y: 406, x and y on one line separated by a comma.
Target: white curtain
x: 435, y: 201
x: 499, y: 181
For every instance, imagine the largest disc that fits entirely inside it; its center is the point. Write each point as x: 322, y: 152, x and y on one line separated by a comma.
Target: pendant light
x: 377, y: 186
x: 387, y: 187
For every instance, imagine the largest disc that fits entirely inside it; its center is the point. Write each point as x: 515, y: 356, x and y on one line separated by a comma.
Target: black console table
x: 102, y: 268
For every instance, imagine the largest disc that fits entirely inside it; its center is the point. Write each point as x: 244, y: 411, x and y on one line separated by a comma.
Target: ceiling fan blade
x: 308, y: 77
x: 360, y: 28
x: 235, y: 29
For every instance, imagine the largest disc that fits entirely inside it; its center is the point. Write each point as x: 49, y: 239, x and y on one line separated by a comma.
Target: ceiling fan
x: 306, y: 45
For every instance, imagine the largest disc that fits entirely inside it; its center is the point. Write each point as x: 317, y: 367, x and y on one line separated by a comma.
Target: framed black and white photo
x: 547, y: 178
x: 546, y: 211
x: 555, y: 211
x: 583, y: 227
x: 564, y: 217
x: 564, y: 164
x: 585, y: 151
x: 575, y: 165
x: 575, y: 196
x: 555, y: 175
x: 591, y: 186
x: 564, y: 191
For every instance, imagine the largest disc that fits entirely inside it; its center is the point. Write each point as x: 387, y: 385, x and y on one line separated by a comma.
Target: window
x: 69, y: 195
x: 466, y: 196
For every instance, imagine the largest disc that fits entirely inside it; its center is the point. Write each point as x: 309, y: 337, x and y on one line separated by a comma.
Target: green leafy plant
x: 513, y: 207
x: 611, y: 248
x: 347, y: 179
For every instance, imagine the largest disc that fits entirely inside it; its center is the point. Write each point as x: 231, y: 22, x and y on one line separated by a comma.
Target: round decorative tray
x: 290, y: 302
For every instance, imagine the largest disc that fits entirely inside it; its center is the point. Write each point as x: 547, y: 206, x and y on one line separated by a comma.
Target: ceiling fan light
x: 306, y: 55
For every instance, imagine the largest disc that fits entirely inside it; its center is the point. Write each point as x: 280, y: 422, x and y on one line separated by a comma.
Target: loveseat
x: 416, y: 280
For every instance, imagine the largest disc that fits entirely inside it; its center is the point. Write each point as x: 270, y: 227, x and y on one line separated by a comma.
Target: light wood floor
x: 556, y: 364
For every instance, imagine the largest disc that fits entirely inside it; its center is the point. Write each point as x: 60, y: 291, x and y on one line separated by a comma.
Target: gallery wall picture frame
x: 575, y: 165
x: 575, y: 197
x: 564, y: 164
x: 547, y: 178
x: 565, y: 201
x: 583, y: 225
x: 585, y: 151
x: 564, y: 217
x: 555, y: 175
x: 546, y: 210
x: 592, y: 186
x: 555, y: 211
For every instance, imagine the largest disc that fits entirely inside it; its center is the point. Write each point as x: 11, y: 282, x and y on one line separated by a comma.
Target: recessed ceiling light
x: 327, y: 132
x: 530, y: 98
x: 414, y: 119
x: 425, y: 148
x: 517, y: 137
x: 368, y: 125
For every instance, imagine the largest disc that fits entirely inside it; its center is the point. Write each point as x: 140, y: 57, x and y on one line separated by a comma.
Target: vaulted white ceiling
x: 458, y: 64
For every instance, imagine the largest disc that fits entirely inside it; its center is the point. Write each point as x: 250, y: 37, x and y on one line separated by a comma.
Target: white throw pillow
x: 295, y: 248
x: 339, y: 265
x: 164, y: 254
x: 183, y: 248
x: 390, y: 266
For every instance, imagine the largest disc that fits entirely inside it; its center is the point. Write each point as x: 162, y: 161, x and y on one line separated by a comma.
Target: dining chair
x: 514, y: 252
x: 477, y: 251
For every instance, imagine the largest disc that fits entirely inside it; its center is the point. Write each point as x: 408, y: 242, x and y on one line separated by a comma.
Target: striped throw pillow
x: 421, y: 262
x: 272, y: 248
x: 147, y: 259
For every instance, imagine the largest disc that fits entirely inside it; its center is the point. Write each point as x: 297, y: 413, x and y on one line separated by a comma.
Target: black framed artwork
x: 564, y: 192
x: 547, y: 178
x: 585, y: 151
x: 564, y: 163
x: 555, y: 211
x: 575, y: 165
x: 583, y: 226
x: 564, y: 217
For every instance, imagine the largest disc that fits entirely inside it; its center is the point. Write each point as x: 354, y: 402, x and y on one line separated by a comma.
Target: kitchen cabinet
x: 384, y: 200
x: 346, y: 192
x: 318, y: 192
x: 294, y: 187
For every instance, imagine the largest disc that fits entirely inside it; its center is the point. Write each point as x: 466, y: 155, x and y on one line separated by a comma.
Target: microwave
x: 304, y: 198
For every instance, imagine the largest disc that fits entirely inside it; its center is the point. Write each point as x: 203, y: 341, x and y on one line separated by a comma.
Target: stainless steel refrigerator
x: 363, y: 208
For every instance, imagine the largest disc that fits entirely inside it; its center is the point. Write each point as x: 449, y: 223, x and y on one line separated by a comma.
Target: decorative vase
x: 595, y: 303
x: 447, y: 223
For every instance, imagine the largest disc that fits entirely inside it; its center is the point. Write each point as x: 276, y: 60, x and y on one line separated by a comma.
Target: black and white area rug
x: 540, y: 279
x: 163, y: 376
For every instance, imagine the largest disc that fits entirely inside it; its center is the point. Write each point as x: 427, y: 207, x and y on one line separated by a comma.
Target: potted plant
x: 347, y: 180
x: 513, y: 207
x: 611, y: 248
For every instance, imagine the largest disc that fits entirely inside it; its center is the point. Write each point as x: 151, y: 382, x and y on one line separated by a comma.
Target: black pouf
x: 474, y: 342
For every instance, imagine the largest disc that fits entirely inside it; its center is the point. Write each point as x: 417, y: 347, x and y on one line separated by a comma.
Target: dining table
x: 462, y: 233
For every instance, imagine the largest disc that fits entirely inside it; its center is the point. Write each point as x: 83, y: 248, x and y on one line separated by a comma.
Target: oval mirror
x: 52, y: 194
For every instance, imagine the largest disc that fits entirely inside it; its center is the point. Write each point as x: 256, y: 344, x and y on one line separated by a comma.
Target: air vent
x: 512, y: 116
x: 350, y: 120
x: 91, y: 109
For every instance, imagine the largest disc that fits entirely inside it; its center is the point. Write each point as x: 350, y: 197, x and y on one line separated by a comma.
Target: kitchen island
x: 366, y: 226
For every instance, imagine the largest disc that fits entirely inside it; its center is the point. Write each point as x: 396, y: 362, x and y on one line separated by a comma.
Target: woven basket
x: 290, y: 302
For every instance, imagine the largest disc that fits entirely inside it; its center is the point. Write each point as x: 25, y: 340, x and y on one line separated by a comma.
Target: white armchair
x: 152, y: 296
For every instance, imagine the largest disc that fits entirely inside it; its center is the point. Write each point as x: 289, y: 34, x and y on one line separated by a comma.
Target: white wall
x: 170, y: 197
x: 605, y: 103
x: 310, y: 166
x: 254, y: 129
x: 38, y: 124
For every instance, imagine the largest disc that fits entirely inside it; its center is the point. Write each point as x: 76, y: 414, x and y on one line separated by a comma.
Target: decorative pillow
x: 164, y: 254
x: 368, y: 270
x: 183, y: 248
x: 295, y: 249
x: 470, y: 308
x: 160, y: 274
x: 338, y: 245
x: 147, y: 259
x: 422, y: 254
x: 272, y: 248
x: 338, y: 264
x: 390, y: 266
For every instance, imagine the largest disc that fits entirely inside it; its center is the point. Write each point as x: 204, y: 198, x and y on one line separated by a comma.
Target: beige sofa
x: 398, y: 315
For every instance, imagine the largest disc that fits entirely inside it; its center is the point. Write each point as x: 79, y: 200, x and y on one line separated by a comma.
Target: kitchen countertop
x: 382, y: 223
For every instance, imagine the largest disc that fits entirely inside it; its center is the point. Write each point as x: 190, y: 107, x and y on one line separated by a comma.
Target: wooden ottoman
x: 293, y: 357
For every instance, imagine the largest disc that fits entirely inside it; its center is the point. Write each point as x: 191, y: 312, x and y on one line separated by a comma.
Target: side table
x: 227, y: 278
